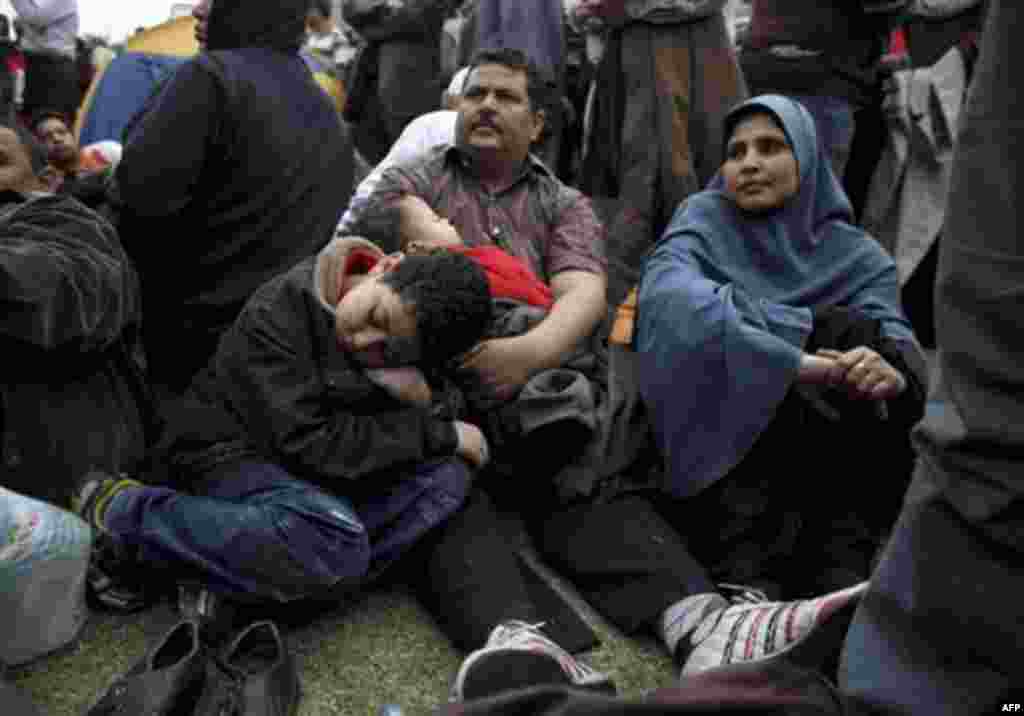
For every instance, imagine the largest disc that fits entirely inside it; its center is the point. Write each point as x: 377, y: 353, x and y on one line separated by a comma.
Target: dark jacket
x: 72, y: 395
x: 826, y: 47
x: 382, y: 21
x: 239, y: 169
x: 280, y: 387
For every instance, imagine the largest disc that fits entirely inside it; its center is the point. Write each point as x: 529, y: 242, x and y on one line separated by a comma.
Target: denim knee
x: 325, y: 549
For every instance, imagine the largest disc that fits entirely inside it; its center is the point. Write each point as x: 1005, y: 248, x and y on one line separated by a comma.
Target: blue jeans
x: 834, y: 120
x: 260, y: 533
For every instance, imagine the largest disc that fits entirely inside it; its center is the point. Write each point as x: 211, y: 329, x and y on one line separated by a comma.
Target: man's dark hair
x: 451, y: 298
x: 37, y: 156
x: 321, y: 6
x: 45, y: 114
x: 536, y: 86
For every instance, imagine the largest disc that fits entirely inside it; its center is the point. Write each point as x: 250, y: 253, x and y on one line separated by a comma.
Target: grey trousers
x: 940, y: 630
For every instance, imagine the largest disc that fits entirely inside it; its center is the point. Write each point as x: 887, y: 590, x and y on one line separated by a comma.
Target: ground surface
x: 380, y: 649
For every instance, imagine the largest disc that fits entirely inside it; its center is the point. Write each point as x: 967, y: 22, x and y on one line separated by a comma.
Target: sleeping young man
x: 298, y: 472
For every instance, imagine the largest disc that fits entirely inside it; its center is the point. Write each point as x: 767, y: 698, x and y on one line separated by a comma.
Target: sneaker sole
x: 502, y: 670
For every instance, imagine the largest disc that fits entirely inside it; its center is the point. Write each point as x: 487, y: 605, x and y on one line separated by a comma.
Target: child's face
x: 370, y: 316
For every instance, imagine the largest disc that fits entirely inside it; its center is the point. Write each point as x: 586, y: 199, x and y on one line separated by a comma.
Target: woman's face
x: 760, y: 169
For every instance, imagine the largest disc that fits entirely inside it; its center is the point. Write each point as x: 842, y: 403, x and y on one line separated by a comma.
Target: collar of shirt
x: 531, y: 167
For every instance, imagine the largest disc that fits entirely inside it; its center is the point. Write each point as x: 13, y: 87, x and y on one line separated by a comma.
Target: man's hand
x: 864, y: 373
x: 472, y: 445
x: 503, y: 365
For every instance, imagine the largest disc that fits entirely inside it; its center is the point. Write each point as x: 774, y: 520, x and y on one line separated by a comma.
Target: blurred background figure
x: 332, y: 42
x: 12, y: 63
x: 398, y: 75
x: 824, y: 54
x: 49, y: 33
x: 666, y: 77
x: 536, y: 28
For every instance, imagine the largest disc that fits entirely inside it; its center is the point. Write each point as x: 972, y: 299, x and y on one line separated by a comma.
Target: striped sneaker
x: 516, y: 655
x: 805, y: 632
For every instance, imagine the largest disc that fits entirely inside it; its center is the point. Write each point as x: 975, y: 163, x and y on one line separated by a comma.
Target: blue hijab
x: 726, y: 299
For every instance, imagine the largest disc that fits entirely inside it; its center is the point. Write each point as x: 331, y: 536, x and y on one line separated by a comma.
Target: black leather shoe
x: 254, y: 676
x: 167, y: 682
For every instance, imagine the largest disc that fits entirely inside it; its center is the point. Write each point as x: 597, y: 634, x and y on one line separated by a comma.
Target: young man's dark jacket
x: 279, y: 388
x: 239, y: 168
x: 73, y: 394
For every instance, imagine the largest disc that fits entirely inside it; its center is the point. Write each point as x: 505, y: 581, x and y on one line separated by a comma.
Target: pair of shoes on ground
x: 516, y: 655
x: 748, y: 630
x: 803, y: 632
x: 253, y: 675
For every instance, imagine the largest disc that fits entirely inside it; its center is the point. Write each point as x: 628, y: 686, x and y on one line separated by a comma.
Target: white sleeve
x: 44, y: 12
x: 420, y: 136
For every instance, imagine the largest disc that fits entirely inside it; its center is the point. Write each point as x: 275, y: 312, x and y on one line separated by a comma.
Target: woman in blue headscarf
x: 780, y: 373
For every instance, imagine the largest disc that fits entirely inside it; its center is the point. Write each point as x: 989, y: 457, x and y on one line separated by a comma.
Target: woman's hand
x: 864, y: 373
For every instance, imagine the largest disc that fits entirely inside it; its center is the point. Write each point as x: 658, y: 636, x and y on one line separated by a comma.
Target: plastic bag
x: 44, y: 556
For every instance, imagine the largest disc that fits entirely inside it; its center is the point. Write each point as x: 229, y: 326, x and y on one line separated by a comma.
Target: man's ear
x: 539, y: 118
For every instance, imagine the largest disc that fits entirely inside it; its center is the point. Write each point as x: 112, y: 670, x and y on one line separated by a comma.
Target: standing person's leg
x: 940, y: 630
x: 256, y: 534
x: 7, y: 91
x: 554, y: 124
x: 636, y: 159
x: 409, y: 81
x: 51, y: 82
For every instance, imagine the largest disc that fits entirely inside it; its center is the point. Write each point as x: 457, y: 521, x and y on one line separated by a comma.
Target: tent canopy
x: 119, y: 90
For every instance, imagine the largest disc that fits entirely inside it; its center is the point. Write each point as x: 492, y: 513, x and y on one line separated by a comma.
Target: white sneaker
x: 517, y: 654
x: 805, y: 631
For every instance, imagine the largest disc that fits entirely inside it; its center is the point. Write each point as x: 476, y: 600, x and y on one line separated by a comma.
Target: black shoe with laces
x: 254, y: 675
x: 167, y: 682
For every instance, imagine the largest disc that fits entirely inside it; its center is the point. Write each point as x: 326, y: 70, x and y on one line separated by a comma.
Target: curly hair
x: 451, y: 299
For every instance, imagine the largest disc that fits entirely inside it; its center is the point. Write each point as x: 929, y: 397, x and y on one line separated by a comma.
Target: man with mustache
x: 495, y: 192
x: 575, y: 486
